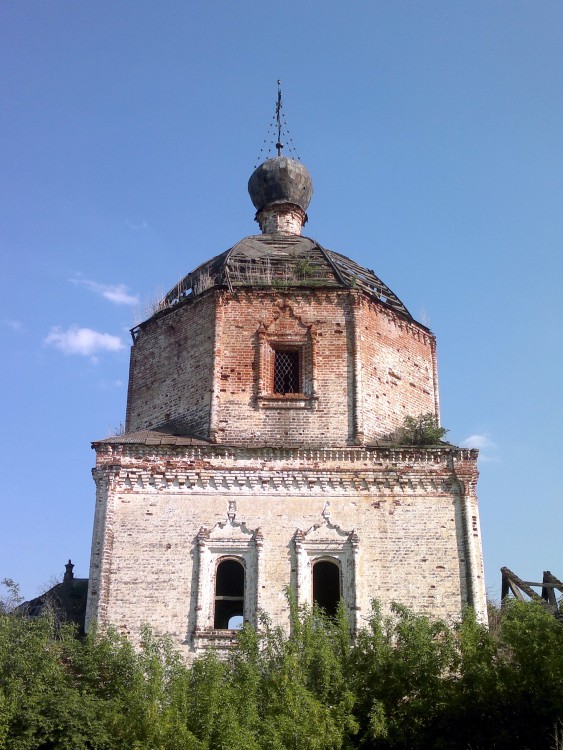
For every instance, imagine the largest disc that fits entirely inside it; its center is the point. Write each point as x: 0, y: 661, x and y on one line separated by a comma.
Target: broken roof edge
x: 383, y: 295
x: 216, y: 273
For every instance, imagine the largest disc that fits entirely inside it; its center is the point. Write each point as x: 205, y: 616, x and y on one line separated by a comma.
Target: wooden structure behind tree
x: 512, y: 584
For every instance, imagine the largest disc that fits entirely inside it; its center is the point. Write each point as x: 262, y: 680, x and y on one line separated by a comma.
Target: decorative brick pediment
x: 227, y: 531
x: 285, y: 322
x: 325, y: 531
x: 287, y: 336
x: 327, y: 541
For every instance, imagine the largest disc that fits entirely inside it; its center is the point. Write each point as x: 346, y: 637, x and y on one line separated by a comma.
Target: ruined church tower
x: 263, y: 394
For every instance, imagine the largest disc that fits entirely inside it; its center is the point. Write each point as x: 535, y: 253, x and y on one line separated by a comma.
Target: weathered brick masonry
x: 263, y: 398
x: 204, y: 368
x: 170, y: 377
x: 413, y: 513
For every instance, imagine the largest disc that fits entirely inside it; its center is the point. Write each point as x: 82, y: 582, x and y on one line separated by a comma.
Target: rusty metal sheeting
x: 150, y: 437
x: 281, y: 261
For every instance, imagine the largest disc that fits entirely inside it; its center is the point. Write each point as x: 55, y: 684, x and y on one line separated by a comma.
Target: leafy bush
x: 423, y: 430
x: 406, y: 682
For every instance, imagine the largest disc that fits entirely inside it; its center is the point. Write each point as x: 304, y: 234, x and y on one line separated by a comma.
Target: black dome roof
x: 280, y: 180
x: 281, y: 261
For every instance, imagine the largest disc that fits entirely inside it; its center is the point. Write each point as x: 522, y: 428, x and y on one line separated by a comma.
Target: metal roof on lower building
x: 150, y: 437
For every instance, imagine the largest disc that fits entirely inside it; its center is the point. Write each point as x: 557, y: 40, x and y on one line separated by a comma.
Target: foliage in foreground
x: 407, y: 682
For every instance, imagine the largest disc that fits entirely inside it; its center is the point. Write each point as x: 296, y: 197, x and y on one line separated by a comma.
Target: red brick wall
x: 315, y: 324
x: 171, y: 370
x: 370, y: 368
x: 207, y: 368
x: 398, y: 369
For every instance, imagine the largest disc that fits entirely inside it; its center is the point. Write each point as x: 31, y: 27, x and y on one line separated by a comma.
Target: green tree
x: 307, y: 700
x: 10, y: 595
x: 40, y: 706
x: 531, y: 673
x: 404, y: 666
x: 405, y: 681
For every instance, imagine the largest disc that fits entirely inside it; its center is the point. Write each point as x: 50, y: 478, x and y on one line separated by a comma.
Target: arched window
x: 229, y: 594
x: 326, y: 586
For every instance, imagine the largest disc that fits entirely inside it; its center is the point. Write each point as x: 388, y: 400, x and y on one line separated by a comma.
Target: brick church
x: 264, y: 394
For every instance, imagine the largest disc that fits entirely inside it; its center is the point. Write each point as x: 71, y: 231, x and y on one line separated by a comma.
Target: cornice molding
x: 264, y: 482
x: 116, y: 452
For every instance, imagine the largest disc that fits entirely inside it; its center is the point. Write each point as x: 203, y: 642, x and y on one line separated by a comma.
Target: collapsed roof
x: 281, y: 261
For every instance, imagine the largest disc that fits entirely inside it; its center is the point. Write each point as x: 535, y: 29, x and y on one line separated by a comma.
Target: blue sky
x: 433, y: 132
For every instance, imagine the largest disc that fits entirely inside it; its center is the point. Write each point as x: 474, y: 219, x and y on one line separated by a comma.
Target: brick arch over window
x: 327, y: 542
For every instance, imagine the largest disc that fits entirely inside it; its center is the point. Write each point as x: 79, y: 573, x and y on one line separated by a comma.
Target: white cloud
x: 117, y: 293
x: 137, y: 227
x: 485, y: 446
x: 478, y: 441
x: 83, y: 341
x: 15, y: 325
x: 107, y: 384
x: 120, y: 295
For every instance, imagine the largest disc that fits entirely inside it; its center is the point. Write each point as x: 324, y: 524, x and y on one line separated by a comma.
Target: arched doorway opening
x: 327, y: 590
x: 229, y: 594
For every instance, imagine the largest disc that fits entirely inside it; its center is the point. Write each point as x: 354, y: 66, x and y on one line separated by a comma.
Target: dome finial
x: 280, y: 188
x: 279, y: 144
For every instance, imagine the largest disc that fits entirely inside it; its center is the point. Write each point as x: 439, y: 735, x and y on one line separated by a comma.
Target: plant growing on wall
x: 304, y: 268
x: 422, y: 430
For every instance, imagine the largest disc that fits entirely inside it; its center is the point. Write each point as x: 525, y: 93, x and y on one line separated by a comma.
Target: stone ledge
x: 289, y: 401
x: 218, y: 640
x: 186, y: 448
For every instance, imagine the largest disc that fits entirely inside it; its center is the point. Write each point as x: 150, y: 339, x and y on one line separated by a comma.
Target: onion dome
x: 278, y: 181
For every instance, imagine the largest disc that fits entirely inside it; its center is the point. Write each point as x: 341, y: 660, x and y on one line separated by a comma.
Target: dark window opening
x: 287, y: 371
x: 229, y: 594
x: 326, y: 586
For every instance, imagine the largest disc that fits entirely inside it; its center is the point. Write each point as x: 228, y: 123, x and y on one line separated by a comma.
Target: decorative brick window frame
x: 326, y: 541
x: 286, y: 333
x: 226, y: 540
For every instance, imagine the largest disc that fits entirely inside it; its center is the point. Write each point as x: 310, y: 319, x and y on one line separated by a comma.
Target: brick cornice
x: 200, y: 470
x: 116, y: 452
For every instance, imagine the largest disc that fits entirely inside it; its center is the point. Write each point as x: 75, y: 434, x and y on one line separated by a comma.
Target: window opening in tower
x: 287, y: 371
x: 326, y: 586
x: 229, y: 595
